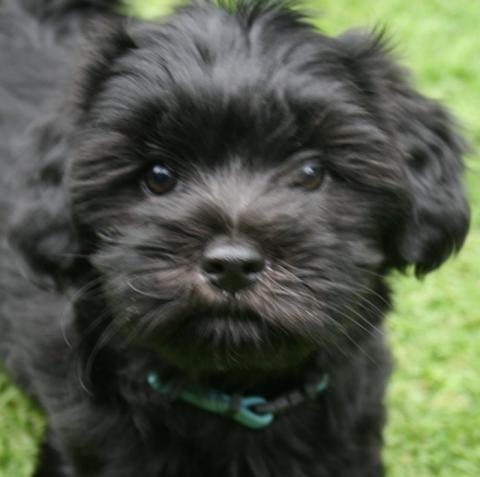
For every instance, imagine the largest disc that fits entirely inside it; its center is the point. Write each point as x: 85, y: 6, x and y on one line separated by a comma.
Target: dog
x: 198, y: 217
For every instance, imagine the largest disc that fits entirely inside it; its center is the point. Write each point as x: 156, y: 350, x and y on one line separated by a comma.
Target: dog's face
x: 248, y: 182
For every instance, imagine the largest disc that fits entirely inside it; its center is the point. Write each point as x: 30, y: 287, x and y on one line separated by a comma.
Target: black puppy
x: 196, y: 225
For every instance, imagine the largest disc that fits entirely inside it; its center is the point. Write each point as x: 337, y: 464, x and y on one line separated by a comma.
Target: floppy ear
x: 41, y: 228
x: 430, y: 149
x: 107, y: 43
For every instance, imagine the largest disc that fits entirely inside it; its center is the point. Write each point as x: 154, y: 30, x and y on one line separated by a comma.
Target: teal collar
x: 254, y: 412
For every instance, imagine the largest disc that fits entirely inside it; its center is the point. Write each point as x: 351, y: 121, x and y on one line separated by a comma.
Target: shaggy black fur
x: 315, y: 151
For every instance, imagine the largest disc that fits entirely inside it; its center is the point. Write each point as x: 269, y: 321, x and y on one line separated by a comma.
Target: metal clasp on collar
x: 246, y: 416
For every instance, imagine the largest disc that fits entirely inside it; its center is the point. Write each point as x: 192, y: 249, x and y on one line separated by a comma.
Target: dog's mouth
x: 216, y: 329
x: 243, y: 323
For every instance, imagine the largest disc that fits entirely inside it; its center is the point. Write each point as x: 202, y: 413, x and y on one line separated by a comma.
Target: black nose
x: 232, y: 266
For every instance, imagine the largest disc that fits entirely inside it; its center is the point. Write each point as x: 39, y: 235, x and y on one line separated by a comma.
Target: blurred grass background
x: 434, y: 397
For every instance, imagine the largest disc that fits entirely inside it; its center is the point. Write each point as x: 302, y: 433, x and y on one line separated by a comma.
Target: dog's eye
x: 311, y: 176
x: 159, y: 180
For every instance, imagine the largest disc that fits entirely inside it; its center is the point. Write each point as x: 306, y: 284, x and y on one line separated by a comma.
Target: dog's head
x: 241, y: 184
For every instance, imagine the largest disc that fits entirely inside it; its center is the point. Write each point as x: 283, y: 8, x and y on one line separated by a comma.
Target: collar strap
x: 254, y: 412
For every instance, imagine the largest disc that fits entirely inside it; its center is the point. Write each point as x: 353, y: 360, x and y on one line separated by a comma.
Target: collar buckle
x: 248, y: 417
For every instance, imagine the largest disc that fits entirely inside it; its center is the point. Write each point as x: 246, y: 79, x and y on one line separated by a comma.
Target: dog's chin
x: 200, y: 360
x: 204, y: 344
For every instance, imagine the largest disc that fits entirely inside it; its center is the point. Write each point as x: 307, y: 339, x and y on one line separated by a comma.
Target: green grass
x: 20, y: 426
x: 434, y: 397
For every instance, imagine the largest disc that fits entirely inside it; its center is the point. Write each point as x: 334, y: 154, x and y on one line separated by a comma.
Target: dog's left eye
x: 311, y: 176
x: 159, y: 180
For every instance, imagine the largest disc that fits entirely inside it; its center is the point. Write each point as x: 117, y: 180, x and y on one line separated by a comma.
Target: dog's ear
x: 107, y: 43
x: 41, y: 228
x: 430, y: 150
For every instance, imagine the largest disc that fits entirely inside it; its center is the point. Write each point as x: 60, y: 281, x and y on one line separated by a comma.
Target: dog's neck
x: 252, y: 411
x: 252, y: 399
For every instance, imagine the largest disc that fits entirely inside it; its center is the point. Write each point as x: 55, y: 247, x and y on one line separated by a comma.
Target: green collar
x: 254, y: 412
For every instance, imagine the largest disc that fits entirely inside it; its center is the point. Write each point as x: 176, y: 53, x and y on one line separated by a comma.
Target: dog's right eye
x: 159, y: 180
x: 310, y: 176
